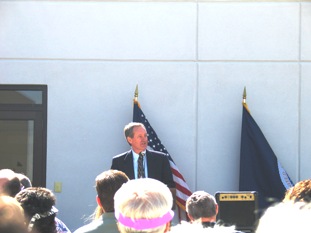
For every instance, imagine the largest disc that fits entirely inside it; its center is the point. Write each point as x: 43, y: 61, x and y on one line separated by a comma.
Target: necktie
x: 141, y: 170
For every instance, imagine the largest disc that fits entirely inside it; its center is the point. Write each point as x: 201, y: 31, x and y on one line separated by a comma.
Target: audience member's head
x: 24, y: 180
x: 143, y: 205
x: 9, y: 183
x: 300, y: 192
x: 202, y: 207
x: 11, y: 216
x: 38, y: 204
x: 107, y: 184
x: 286, y: 218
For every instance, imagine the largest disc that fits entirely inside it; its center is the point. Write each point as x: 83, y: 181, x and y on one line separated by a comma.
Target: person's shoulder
x: 122, y: 154
x: 157, y: 153
x: 61, y: 226
x: 91, y: 227
x: 106, y: 223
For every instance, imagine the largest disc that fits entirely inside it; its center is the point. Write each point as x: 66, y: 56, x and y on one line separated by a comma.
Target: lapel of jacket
x: 128, y: 165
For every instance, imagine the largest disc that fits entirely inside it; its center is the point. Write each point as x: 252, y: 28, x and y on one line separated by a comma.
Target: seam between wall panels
x: 196, y: 97
x: 197, y: 126
x: 197, y: 1
x: 299, y: 97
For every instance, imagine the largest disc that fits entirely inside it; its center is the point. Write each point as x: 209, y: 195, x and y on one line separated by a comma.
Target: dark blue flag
x: 260, y: 169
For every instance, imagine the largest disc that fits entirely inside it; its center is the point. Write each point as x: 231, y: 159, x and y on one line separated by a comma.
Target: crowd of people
x: 24, y: 208
x: 139, y: 205
x: 135, y: 196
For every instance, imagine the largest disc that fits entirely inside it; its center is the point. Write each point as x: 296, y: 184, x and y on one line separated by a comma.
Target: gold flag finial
x: 244, y: 100
x: 244, y: 96
x: 136, y: 94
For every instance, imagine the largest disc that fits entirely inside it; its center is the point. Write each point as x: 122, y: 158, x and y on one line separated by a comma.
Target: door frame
x: 37, y: 113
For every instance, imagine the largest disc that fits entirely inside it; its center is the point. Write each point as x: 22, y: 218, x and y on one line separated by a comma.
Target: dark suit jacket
x: 157, y: 162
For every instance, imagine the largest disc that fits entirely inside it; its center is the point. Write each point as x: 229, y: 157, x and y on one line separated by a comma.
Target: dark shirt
x: 208, y: 224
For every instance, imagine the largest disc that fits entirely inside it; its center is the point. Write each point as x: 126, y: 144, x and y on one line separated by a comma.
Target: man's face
x: 139, y: 141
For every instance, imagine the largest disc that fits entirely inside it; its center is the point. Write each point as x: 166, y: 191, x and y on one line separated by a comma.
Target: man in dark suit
x: 155, y: 164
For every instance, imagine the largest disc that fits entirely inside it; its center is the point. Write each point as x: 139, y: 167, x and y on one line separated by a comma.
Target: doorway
x: 23, y: 130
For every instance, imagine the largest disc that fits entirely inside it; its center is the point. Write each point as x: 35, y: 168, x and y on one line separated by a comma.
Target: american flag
x: 182, y: 189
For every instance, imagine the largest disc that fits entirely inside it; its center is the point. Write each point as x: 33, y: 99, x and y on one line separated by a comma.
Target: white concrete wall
x: 191, y: 60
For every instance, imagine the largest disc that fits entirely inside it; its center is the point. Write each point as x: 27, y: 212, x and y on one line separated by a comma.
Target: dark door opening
x: 23, y: 130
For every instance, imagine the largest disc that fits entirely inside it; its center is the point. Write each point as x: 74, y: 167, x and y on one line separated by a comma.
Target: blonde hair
x: 12, y: 218
x: 300, y: 192
x: 143, y: 199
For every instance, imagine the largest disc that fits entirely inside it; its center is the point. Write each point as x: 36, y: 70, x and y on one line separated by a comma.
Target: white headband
x: 39, y: 216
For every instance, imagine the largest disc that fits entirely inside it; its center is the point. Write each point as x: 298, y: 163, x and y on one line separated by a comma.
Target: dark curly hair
x: 37, y: 200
